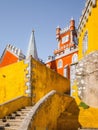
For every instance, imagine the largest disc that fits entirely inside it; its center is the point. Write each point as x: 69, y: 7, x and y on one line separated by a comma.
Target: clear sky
x: 19, y: 17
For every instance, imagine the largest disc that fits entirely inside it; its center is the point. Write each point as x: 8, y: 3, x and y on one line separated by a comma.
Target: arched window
x: 75, y: 58
x: 85, y: 42
x: 60, y: 63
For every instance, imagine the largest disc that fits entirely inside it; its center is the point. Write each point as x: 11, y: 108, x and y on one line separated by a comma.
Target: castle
x: 62, y: 98
x: 66, y: 54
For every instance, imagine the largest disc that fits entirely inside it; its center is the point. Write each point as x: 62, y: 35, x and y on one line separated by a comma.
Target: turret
x: 58, y: 29
x: 72, y: 24
x: 32, y: 50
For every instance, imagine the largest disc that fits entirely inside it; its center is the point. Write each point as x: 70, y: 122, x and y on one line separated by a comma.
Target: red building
x: 11, y: 55
x: 66, y: 53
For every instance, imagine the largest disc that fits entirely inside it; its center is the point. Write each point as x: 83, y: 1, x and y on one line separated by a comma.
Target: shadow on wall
x: 59, y: 112
x: 68, y: 120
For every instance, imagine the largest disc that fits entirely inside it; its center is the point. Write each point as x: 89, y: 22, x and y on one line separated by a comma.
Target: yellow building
x: 86, y: 73
x: 88, y: 28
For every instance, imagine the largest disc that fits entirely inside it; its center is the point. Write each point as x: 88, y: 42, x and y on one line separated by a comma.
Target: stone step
x: 14, y: 120
x: 2, y: 128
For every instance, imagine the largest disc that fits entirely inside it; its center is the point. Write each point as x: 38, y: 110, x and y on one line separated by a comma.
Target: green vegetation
x: 82, y: 104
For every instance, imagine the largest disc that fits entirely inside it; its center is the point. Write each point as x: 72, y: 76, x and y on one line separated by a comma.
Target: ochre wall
x: 45, y: 80
x: 57, y: 113
x: 92, y: 28
x: 12, y: 81
x: 13, y: 105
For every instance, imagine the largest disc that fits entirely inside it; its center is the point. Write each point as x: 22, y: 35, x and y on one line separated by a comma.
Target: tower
x: 66, y: 52
x: 32, y: 50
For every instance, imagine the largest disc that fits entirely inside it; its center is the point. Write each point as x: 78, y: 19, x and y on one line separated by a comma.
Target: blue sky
x: 19, y: 17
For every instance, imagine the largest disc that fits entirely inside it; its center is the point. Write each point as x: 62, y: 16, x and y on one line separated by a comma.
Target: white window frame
x: 74, y: 58
x: 65, y: 39
x: 85, y: 42
x: 60, y: 63
x: 66, y: 71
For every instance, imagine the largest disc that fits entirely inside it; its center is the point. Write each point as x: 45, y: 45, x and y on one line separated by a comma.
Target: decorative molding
x: 28, y: 76
x: 66, y: 52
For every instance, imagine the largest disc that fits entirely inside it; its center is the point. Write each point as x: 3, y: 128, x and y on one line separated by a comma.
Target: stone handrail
x: 26, y: 123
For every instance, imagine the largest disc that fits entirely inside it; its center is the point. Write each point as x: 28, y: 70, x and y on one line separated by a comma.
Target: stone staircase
x: 22, y: 119
x: 14, y: 120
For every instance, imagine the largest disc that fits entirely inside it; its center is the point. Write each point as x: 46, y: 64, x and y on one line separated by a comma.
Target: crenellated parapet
x: 85, y: 14
x: 17, y: 52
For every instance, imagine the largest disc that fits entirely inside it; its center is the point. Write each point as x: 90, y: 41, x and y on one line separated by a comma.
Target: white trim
x: 65, y: 68
x: 85, y: 42
x: 60, y: 56
x: 28, y: 83
x: 60, y: 63
x: 74, y: 58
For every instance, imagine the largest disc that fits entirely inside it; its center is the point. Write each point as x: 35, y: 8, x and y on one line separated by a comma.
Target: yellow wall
x: 87, y: 117
x: 13, y: 105
x: 92, y: 27
x: 12, y: 81
x: 57, y: 113
x: 13, y: 87
x: 45, y: 80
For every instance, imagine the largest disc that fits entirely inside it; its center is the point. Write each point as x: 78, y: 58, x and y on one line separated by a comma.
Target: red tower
x: 66, y: 53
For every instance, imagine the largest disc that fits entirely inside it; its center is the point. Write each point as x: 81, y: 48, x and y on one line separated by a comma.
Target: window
x: 66, y: 71
x: 74, y: 58
x: 85, y: 42
x: 75, y: 40
x: 60, y: 63
x: 65, y: 39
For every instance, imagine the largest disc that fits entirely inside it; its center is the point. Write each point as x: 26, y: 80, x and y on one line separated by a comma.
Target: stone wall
x: 87, y: 77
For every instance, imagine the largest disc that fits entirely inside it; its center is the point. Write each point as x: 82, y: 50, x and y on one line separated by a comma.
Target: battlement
x: 13, y: 49
x: 16, y: 51
x: 64, y: 30
x: 85, y: 14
